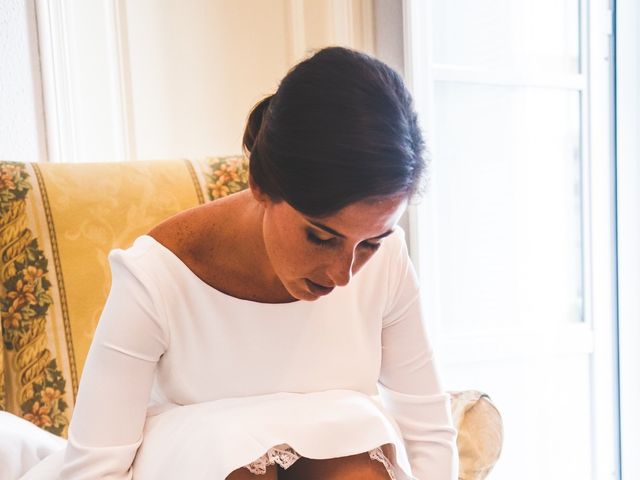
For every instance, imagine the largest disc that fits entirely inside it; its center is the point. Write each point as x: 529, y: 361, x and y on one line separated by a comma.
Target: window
x: 515, y: 240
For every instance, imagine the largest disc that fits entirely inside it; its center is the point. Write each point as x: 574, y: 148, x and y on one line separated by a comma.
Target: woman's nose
x: 341, y: 270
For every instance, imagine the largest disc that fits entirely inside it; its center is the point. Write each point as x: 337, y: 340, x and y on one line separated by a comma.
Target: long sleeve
x: 110, y: 411
x: 409, y: 382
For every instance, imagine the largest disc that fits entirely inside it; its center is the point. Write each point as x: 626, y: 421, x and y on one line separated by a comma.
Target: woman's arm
x: 410, y: 386
x: 110, y: 411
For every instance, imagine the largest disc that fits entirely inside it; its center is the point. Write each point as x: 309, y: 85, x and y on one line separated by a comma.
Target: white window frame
x: 628, y: 210
x: 596, y: 336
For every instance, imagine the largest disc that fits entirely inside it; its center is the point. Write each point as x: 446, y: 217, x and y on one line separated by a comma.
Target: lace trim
x: 378, y: 454
x: 282, y: 454
x: 285, y: 456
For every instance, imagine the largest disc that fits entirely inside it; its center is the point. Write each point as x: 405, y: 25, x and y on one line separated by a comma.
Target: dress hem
x: 285, y: 456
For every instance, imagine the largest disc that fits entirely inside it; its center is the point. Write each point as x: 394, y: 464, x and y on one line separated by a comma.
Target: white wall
x: 197, y: 68
x: 22, y: 132
x: 171, y: 78
x: 389, y: 39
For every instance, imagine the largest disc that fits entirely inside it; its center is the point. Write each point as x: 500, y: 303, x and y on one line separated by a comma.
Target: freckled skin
x: 250, y: 247
x: 292, y: 257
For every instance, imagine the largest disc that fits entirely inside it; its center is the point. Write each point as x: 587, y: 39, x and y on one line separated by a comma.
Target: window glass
x: 506, y: 34
x: 508, y: 186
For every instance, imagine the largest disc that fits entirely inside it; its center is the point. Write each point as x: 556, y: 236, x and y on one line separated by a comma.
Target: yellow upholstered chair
x: 58, y: 223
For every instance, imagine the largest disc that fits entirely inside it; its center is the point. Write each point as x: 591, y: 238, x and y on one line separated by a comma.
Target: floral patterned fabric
x: 58, y: 222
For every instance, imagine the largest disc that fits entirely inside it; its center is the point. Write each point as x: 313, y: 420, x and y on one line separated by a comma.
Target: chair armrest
x: 480, y: 433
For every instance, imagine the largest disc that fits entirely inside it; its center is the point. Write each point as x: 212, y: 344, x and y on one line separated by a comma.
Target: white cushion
x: 23, y: 445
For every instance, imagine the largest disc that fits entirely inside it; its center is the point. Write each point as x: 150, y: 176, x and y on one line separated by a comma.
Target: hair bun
x: 340, y: 128
x: 254, y: 123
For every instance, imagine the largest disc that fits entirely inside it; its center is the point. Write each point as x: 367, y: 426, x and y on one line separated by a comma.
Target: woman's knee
x: 244, y: 474
x: 352, y: 467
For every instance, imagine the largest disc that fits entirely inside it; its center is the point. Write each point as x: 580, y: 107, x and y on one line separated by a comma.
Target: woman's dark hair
x: 341, y: 128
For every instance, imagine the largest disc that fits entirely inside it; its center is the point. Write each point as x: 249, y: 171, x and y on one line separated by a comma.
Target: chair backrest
x: 58, y: 223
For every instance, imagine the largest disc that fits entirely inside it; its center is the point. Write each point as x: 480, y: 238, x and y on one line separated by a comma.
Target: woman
x: 237, y: 339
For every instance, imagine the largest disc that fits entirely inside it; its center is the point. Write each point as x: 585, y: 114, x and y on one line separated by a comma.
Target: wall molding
x: 86, y: 81
x: 296, y: 33
x: 349, y: 23
x: 86, y: 71
x: 343, y: 29
x: 121, y: 79
x: 57, y: 84
x: 353, y: 24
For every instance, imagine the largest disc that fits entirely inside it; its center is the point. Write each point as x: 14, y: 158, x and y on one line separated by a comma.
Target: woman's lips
x: 318, y: 289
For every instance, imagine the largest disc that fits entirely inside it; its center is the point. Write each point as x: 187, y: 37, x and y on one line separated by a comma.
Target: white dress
x: 184, y: 381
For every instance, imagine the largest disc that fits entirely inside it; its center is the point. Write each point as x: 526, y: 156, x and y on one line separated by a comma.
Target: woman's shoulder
x: 168, y: 254
x: 199, y: 239
x: 193, y: 234
x: 182, y: 232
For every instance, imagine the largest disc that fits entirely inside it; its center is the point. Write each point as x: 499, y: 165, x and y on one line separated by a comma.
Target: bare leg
x: 353, y: 467
x: 244, y: 474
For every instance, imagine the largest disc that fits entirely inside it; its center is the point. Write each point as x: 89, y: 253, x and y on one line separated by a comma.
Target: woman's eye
x: 331, y: 241
x: 319, y: 241
x: 370, y: 246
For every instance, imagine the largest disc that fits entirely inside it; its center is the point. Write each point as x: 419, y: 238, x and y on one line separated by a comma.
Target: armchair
x: 58, y: 222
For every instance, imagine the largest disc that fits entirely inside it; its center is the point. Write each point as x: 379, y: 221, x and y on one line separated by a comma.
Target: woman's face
x: 310, y: 253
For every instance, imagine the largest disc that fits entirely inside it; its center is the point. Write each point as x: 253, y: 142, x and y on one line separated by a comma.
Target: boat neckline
x: 218, y: 292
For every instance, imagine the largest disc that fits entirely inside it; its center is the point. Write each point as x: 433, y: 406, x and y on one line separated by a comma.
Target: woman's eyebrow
x: 338, y: 234
x: 385, y: 234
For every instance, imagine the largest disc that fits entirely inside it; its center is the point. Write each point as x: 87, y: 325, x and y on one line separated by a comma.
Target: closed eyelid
x: 325, y: 229
x: 316, y: 232
x: 331, y: 242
